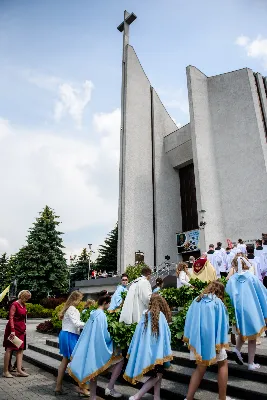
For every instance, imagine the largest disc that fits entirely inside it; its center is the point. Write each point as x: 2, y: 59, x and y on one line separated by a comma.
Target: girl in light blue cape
x: 95, y: 352
x: 159, y: 283
x: 116, y: 300
x: 249, y: 299
x: 150, y: 348
x: 206, y: 332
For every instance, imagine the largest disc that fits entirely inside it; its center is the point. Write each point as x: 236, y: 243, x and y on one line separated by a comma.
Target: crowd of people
x: 88, y: 349
x: 217, y: 262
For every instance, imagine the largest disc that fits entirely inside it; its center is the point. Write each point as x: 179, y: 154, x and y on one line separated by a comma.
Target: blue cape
x: 156, y: 290
x: 206, y: 329
x: 249, y: 299
x: 146, y: 350
x: 94, y: 352
x: 116, y: 299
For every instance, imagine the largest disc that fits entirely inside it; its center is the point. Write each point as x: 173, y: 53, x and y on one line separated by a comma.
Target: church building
x: 182, y: 189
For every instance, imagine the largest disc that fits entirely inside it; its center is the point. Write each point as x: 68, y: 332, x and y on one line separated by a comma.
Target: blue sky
x: 60, y: 78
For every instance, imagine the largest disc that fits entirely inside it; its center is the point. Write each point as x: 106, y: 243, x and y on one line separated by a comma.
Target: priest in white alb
x: 137, y: 299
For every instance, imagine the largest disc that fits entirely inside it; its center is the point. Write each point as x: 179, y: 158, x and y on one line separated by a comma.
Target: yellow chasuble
x: 203, y: 270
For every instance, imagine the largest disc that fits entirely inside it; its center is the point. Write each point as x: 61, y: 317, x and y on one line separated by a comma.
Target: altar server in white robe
x: 261, y: 254
x: 229, y: 256
x: 242, y: 247
x: 137, y: 299
x: 211, y: 254
x: 255, y: 261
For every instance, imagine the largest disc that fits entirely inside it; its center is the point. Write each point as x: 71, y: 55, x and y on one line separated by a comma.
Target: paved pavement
x: 40, y: 384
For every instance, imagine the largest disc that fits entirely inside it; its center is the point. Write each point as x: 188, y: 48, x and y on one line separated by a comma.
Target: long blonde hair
x: 74, y: 298
x: 182, y: 266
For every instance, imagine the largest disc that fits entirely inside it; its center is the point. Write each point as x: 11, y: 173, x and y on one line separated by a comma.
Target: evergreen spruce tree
x: 4, y: 272
x: 107, y: 259
x: 79, y: 267
x: 42, y: 266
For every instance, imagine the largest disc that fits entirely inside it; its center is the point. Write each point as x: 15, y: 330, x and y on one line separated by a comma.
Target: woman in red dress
x: 16, y: 326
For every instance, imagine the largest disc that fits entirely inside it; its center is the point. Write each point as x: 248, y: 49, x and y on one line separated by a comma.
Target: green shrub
x: 57, y: 323
x: 37, y: 311
x: 134, y: 271
x: 180, y: 297
x: 3, y: 313
x: 122, y: 334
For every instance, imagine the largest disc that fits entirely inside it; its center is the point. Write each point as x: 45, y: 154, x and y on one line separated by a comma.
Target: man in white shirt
x: 242, y: 247
x: 229, y: 256
x: 220, y: 260
x: 137, y: 299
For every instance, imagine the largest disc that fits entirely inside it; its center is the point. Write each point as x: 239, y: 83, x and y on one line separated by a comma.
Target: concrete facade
x: 226, y: 142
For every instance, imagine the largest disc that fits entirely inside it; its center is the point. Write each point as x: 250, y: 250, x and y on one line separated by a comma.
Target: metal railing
x: 161, y: 271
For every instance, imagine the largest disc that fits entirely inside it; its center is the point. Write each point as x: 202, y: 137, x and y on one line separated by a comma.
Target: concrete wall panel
x: 235, y: 117
x: 207, y: 185
x: 166, y: 187
x: 137, y: 204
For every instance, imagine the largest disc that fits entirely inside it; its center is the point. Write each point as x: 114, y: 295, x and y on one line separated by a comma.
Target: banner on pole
x: 2, y: 295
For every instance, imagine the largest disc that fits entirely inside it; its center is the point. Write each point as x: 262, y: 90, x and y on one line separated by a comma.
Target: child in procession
x: 68, y: 337
x: 249, y: 299
x: 206, y: 332
x: 150, y: 348
x: 95, y: 352
x: 159, y: 285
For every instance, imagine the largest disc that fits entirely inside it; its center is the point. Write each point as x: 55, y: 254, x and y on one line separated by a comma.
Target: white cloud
x: 75, y: 177
x: 109, y: 125
x: 72, y: 97
x: 256, y: 48
x: 4, y: 128
x: 72, y: 101
x: 41, y: 80
x: 242, y: 40
x: 4, y: 245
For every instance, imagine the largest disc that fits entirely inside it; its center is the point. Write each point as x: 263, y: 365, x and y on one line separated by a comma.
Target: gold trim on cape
x: 98, y: 371
x: 252, y: 337
x: 199, y: 360
x: 115, y: 310
x: 159, y: 361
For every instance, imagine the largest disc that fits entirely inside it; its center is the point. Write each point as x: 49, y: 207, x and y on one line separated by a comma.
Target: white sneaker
x: 112, y: 393
x: 238, y: 357
x: 253, y: 367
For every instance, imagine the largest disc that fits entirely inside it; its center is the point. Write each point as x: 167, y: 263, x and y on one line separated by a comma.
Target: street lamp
x: 89, y: 259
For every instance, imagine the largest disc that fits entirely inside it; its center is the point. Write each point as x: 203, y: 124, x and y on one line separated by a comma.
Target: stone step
x: 261, y: 356
x: 245, y: 389
x: 170, y: 389
x: 52, y: 343
x: 181, y: 359
x: 240, y: 371
x: 49, y: 351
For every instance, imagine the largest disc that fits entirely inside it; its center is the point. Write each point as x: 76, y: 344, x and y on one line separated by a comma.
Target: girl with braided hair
x: 150, y: 348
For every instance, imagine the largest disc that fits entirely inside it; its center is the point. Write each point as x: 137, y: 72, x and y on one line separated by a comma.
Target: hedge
x: 176, y: 298
x: 33, y: 311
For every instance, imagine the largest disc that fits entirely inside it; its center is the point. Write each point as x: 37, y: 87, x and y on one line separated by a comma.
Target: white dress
x: 136, y: 302
x: 183, y: 280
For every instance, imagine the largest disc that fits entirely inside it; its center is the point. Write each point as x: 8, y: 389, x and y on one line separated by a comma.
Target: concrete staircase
x: 242, y: 384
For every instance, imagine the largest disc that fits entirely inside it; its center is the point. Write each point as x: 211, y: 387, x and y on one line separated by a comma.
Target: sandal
x: 8, y: 375
x: 22, y: 375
